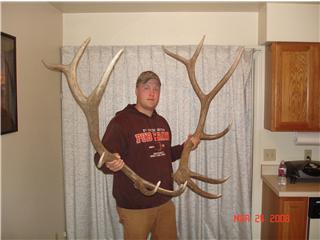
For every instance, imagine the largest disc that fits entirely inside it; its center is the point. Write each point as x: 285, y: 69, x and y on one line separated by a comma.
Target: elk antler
x: 90, y: 107
x: 184, y: 173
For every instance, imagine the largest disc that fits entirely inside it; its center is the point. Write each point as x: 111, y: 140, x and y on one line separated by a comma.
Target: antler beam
x: 90, y: 107
x: 183, y: 172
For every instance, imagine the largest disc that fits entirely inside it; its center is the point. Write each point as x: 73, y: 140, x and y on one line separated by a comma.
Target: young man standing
x: 142, y: 138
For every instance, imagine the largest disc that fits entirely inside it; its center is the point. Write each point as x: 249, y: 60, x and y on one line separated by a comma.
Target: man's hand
x: 115, y: 165
x: 195, y: 141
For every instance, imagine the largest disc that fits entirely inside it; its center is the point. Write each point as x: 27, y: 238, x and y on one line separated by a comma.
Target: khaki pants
x: 159, y: 221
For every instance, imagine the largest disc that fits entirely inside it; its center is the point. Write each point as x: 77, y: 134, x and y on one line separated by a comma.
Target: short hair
x: 144, y: 77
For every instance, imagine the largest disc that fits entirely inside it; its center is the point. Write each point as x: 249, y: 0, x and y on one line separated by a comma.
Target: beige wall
x: 294, y: 22
x: 289, y: 22
x: 32, y: 175
x: 160, y: 28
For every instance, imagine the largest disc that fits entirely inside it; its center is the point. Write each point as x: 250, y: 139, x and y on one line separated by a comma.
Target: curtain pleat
x: 90, y: 207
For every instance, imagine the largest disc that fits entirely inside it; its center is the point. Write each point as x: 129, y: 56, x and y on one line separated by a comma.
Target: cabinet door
x: 296, y: 209
x: 292, y: 87
x: 286, y: 218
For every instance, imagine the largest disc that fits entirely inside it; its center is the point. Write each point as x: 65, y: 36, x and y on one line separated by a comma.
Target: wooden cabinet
x: 292, y: 88
x: 285, y: 217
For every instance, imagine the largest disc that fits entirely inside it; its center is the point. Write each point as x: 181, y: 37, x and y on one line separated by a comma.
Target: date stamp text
x: 260, y: 218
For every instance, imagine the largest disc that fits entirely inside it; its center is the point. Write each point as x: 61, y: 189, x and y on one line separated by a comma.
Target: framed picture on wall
x: 9, y: 114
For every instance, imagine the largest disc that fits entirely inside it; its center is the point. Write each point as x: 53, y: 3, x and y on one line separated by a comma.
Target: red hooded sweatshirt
x: 144, y: 143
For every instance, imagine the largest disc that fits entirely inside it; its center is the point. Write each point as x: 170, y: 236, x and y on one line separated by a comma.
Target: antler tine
x: 75, y: 62
x: 156, y: 188
x: 175, y: 193
x: 55, y: 67
x: 227, y: 76
x: 198, y: 50
x: 101, y: 160
x: 69, y: 71
x: 190, y: 65
x: 202, y: 193
x: 90, y: 106
x: 205, y: 136
x: 99, y: 90
x: 184, y: 60
x: 206, y: 179
x: 175, y: 56
x: 144, y: 185
x: 144, y: 190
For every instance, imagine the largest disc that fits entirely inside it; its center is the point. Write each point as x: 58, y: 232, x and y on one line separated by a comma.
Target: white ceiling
x: 196, y: 6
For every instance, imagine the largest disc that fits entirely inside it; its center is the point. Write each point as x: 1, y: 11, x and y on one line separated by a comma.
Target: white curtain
x: 90, y: 207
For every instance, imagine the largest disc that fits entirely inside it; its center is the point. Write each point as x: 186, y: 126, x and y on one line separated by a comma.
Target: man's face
x: 148, y: 94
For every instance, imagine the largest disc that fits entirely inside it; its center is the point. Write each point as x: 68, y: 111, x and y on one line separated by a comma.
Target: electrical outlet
x: 269, y: 154
x: 307, y: 154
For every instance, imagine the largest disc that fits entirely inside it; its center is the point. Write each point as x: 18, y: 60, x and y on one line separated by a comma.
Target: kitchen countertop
x: 291, y: 190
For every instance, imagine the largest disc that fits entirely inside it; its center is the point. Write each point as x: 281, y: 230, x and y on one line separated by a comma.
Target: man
x: 142, y: 139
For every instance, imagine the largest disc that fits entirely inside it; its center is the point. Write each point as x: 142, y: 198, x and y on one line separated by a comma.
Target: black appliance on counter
x: 303, y: 171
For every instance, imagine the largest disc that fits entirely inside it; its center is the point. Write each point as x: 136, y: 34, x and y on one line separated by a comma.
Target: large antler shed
x: 90, y: 107
x: 183, y: 172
